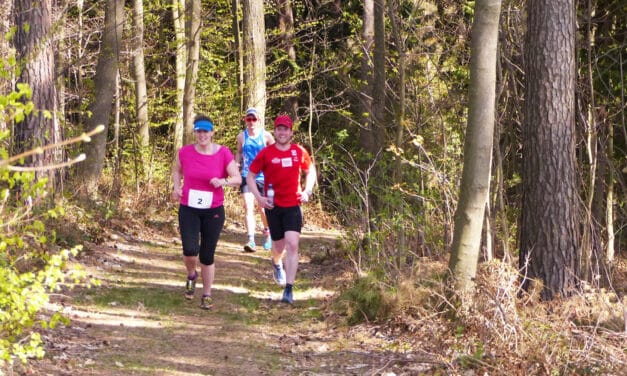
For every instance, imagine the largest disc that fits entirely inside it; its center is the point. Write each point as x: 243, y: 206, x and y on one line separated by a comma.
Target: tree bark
x: 104, y: 90
x: 399, y: 113
x: 254, y: 56
x: 379, y: 76
x: 178, y: 15
x: 549, y: 227
x: 366, y: 134
x: 141, y: 96
x: 237, y: 41
x: 286, y: 28
x: 192, y: 30
x: 475, y: 182
x: 35, y: 55
x: 5, y: 51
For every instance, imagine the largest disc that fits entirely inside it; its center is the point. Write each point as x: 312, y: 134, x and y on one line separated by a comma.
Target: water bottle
x: 270, y: 195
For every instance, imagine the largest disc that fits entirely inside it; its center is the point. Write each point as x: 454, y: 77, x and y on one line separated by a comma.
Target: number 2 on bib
x: 199, y: 199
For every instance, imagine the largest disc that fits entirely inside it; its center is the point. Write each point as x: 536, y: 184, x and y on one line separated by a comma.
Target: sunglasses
x: 251, y: 119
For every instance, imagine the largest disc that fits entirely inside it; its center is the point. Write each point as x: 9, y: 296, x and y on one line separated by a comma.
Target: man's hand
x: 305, y: 196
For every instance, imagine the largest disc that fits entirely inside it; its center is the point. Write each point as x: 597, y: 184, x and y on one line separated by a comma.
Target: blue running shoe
x: 250, y: 247
x: 287, y: 296
x: 278, y: 273
x: 267, y: 245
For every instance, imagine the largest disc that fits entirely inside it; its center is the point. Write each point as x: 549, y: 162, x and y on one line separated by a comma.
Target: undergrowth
x: 500, y: 330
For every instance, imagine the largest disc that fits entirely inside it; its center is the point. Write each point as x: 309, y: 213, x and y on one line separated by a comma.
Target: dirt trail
x: 138, y: 322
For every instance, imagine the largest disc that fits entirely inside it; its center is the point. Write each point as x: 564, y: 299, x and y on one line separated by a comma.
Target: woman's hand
x: 218, y: 182
x: 177, y: 193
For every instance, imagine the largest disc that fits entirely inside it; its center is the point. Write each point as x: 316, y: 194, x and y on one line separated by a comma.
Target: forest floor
x: 137, y: 322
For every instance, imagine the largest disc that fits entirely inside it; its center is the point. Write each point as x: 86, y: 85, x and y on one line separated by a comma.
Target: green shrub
x: 366, y: 300
x: 30, y: 266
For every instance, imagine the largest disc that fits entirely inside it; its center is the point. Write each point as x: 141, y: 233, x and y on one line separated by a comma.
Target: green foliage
x: 366, y: 300
x: 30, y: 268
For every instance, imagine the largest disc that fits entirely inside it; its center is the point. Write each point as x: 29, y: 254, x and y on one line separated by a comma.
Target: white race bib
x: 199, y: 199
x: 286, y: 162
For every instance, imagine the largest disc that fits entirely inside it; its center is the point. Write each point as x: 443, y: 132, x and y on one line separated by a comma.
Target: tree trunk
x: 141, y: 97
x: 35, y: 55
x: 399, y: 113
x: 399, y: 118
x: 104, y: 90
x: 366, y: 136
x: 5, y: 52
x: 178, y: 15
x: 286, y: 28
x: 237, y: 40
x: 192, y: 29
x: 475, y: 182
x: 254, y: 56
x: 549, y: 227
x: 379, y: 76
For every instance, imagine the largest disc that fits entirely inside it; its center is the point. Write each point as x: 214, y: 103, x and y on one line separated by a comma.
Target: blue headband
x: 203, y: 125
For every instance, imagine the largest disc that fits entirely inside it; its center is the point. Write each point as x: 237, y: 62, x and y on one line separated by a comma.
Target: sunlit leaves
x: 29, y: 268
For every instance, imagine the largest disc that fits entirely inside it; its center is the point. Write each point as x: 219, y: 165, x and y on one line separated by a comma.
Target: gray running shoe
x: 278, y: 273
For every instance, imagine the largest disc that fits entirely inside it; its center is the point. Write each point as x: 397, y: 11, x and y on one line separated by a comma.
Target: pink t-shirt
x: 198, y: 170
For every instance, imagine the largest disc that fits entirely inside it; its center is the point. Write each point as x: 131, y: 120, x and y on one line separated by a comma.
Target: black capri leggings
x: 204, y: 223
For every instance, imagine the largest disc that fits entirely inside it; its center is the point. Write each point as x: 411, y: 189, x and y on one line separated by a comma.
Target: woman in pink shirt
x: 205, y: 168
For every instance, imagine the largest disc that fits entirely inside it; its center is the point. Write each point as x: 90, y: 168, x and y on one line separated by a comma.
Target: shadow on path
x: 137, y: 321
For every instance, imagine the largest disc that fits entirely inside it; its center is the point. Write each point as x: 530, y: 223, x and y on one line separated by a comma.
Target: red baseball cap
x: 283, y: 120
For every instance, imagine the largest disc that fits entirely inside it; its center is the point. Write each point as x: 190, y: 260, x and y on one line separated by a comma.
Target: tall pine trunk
x: 35, y: 54
x: 549, y: 226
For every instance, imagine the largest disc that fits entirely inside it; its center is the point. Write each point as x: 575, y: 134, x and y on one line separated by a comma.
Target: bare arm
x: 310, y: 181
x: 269, y: 138
x: 177, y: 175
x: 235, y: 178
x: 239, y: 154
x: 311, y: 178
x: 252, y: 186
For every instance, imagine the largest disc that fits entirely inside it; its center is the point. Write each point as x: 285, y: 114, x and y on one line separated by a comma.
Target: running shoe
x: 249, y: 247
x: 267, y: 245
x: 206, y: 302
x: 278, y: 273
x: 287, y: 296
x: 190, y: 287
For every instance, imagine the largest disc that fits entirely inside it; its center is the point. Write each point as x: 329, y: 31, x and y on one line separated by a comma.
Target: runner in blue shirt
x: 249, y: 142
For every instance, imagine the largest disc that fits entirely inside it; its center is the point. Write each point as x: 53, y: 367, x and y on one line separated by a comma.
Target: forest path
x: 137, y: 321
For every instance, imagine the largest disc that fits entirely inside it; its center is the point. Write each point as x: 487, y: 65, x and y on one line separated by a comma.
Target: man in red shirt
x: 282, y: 164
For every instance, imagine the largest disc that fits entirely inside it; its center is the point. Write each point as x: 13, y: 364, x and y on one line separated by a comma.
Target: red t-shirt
x: 283, y: 170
